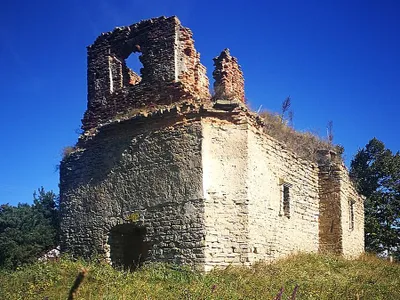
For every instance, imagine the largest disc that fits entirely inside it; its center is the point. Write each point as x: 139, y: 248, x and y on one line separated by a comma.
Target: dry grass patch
x: 304, y: 144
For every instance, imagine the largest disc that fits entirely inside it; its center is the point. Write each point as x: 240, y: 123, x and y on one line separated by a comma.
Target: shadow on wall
x: 105, y: 152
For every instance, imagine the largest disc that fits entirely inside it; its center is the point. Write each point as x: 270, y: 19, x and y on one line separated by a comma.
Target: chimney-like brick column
x: 229, y: 81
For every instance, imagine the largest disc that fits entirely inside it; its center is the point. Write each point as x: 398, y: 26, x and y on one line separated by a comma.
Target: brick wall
x: 171, y: 70
x: 229, y: 81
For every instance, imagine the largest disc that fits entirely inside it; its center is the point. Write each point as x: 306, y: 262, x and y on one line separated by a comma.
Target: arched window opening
x: 132, y: 74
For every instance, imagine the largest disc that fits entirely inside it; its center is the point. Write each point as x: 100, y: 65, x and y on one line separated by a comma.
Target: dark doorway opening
x: 128, y: 249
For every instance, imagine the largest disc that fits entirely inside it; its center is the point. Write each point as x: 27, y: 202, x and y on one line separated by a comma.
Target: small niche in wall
x: 351, y: 214
x: 285, y: 198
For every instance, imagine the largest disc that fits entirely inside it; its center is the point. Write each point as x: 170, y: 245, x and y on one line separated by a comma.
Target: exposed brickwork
x: 189, y: 179
x: 229, y: 82
x: 171, y: 70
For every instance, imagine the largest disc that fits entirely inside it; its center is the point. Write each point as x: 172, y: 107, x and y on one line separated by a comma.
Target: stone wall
x: 330, y: 227
x: 244, y: 173
x: 352, y: 217
x: 275, y: 232
x: 225, y: 159
x: 207, y: 186
x: 148, y: 174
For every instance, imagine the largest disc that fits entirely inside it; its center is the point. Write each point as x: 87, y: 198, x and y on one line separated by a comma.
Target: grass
x: 304, y: 144
x: 318, y: 277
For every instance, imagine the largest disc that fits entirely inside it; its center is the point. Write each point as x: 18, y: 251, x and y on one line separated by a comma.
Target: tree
x: 329, y: 131
x: 376, y: 173
x: 285, y: 108
x: 28, y: 231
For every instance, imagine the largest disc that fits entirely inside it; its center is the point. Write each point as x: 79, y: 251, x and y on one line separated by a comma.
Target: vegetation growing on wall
x: 304, y: 144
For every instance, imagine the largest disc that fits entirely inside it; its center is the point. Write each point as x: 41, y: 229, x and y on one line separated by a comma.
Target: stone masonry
x: 166, y: 172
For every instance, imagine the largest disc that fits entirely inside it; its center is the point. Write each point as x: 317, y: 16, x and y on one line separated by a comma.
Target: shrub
x: 66, y: 151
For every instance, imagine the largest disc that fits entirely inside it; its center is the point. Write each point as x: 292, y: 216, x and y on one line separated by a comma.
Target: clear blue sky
x: 338, y: 60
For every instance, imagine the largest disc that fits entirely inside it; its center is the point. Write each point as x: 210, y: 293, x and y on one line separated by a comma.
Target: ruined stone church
x: 166, y: 172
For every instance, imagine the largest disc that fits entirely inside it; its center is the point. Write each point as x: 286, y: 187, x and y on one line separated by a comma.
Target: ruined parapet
x: 171, y: 69
x: 189, y: 69
x: 229, y: 81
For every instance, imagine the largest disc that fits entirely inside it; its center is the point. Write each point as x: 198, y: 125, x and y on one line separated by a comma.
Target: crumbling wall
x: 171, y: 71
x: 199, y: 179
x: 207, y: 186
x: 244, y: 172
x: 144, y: 173
x: 245, y: 175
x: 229, y: 81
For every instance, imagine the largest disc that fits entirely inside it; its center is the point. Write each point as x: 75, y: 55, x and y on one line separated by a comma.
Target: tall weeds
x: 304, y: 144
x: 316, y: 277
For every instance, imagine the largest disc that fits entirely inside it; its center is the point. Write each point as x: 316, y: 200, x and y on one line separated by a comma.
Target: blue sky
x: 338, y: 60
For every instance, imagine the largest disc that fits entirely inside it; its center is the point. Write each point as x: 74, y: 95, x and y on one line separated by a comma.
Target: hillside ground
x: 317, y: 277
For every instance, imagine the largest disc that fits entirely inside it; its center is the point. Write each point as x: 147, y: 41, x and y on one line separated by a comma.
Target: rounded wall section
x: 147, y: 175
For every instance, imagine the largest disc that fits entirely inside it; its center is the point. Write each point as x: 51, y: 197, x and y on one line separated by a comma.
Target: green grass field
x: 317, y: 277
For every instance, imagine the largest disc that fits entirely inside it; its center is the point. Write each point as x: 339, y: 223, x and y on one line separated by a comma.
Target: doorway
x: 128, y: 250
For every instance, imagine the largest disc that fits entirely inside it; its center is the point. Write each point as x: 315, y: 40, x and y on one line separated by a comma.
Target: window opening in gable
x: 351, y: 214
x: 133, y: 66
x: 285, y: 198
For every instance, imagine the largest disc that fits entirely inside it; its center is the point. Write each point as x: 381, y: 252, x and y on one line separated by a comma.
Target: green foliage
x: 133, y: 217
x: 28, y: 231
x: 376, y: 172
x: 318, y: 277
